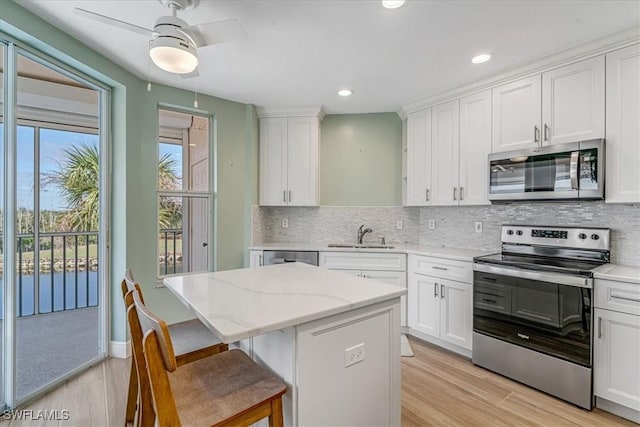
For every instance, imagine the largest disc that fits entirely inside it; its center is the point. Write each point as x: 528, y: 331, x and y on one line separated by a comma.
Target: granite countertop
x: 238, y: 304
x: 620, y: 273
x: 459, y: 254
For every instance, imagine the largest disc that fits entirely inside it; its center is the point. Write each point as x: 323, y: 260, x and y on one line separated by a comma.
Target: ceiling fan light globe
x: 173, y: 55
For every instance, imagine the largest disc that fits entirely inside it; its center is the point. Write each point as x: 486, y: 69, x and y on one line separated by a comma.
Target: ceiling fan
x: 174, y: 43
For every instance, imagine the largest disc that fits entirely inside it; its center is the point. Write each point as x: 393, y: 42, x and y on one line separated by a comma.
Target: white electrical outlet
x: 478, y: 226
x: 399, y: 224
x: 353, y: 355
x: 432, y: 224
x: 285, y: 222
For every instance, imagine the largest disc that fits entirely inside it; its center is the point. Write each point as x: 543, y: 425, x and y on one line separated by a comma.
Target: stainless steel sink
x: 358, y: 246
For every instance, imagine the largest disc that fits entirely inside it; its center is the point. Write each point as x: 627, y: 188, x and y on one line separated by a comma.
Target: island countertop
x: 239, y: 304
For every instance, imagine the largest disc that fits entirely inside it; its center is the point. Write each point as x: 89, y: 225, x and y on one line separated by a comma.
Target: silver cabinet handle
x: 461, y: 193
x: 546, y: 132
x: 435, y: 267
x: 289, y: 196
x: 435, y: 290
x: 535, y: 133
x: 260, y: 260
x: 441, y: 291
x: 284, y: 196
x: 599, y: 327
x: 426, y: 195
x: 454, y: 193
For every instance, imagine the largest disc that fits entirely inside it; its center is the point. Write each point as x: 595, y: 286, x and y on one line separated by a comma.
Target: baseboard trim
x: 617, y: 409
x: 440, y: 343
x: 120, y: 349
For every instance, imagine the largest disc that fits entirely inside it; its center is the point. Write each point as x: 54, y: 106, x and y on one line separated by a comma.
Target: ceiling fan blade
x: 215, y: 32
x: 115, y: 22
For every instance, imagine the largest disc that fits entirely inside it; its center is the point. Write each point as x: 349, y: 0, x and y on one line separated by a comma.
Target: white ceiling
x: 299, y: 53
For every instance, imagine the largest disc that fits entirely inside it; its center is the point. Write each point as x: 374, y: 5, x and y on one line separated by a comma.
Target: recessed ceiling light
x: 479, y: 59
x: 392, y: 4
x: 345, y: 92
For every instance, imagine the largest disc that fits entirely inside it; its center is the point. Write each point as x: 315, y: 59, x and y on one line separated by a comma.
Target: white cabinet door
x: 396, y: 278
x: 445, y: 134
x: 273, y: 161
x: 475, y: 146
x: 456, y: 320
x: 419, y: 158
x: 255, y: 258
x: 424, y: 305
x: 516, y: 115
x: 573, y: 102
x: 623, y: 126
x: 616, y: 357
x: 302, y: 161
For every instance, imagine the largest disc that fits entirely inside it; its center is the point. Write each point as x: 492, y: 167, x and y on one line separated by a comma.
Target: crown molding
x: 585, y: 51
x: 291, y: 112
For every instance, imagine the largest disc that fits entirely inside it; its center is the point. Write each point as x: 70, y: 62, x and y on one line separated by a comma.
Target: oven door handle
x: 560, y: 279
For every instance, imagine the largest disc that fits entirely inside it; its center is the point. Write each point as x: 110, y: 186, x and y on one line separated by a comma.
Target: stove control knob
x: 509, y: 232
x: 594, y: 237
x: 582, y: 236
x: 519, y: 232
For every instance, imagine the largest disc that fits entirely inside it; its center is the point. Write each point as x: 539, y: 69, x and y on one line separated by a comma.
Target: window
x: 184, y: 193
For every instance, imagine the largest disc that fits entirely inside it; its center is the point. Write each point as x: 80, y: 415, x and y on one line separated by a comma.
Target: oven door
x: 548, y: 313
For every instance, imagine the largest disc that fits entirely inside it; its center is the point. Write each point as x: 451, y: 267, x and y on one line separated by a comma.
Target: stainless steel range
x: 532, y: 312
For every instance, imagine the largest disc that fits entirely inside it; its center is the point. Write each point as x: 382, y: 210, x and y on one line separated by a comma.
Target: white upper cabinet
x: 289, y: 151
x: 562, y: 105
x: 623, y: 126
x: 445, y: 121
x: 419, y: 158
x: 573, y: 102
x: 475, y: 146
x: 516, y: 115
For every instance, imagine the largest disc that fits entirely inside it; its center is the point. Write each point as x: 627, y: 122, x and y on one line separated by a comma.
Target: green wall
x: 361, y: 160
x: 134, y: 159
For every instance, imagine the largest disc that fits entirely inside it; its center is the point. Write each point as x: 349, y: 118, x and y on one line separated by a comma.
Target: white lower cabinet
x: 255, y: 258
x: 616, y: 353
x: 440, y: 308
x: 388, y: 268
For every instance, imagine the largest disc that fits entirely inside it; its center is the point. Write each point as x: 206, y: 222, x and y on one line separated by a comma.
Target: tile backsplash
x: 454, y: 226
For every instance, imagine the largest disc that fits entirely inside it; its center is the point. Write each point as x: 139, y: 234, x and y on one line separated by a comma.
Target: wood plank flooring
x: 439, y: 388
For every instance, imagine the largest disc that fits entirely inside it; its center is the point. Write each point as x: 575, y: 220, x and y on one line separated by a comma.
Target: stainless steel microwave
x: 562, y: 171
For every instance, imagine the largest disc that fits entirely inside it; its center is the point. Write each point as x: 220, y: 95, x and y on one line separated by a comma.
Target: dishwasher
x: 280, y: 257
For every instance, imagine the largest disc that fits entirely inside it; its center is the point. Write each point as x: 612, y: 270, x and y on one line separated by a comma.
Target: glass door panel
x: 57, y: 326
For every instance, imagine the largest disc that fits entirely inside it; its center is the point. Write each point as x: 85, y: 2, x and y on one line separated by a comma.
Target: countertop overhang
x: 238, y: 304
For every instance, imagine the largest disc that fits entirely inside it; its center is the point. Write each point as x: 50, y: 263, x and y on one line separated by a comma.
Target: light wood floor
x: 438, y: 389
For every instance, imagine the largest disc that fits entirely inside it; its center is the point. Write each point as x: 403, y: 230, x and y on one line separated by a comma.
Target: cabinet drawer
x: 617, y: 296
x: 439, y: 267
x: 363, y: 261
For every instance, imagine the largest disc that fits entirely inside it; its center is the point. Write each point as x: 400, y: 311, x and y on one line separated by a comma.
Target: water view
x: 70, y: 290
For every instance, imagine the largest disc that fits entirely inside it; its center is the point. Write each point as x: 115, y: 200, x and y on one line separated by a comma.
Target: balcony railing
x: 170, y: 256
x: 61, y: 274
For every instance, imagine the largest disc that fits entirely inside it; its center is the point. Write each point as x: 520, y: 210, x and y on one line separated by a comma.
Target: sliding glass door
x: 54, y: 247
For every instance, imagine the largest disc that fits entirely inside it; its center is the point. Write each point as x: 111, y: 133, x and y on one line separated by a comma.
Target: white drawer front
x: 617, y: 296
x: 440, y: 267
x: 363, y: 261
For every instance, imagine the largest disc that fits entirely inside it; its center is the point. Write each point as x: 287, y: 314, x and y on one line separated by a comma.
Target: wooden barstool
x: 192, y: 341
x: 226, y: 389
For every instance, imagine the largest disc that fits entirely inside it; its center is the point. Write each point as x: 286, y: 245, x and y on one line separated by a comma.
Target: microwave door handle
x: 573, y: 170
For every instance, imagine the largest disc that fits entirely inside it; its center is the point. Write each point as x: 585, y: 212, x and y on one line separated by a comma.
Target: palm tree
x: 77, y: 180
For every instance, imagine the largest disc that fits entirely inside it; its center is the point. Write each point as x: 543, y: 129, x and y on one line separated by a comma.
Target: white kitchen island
x: 332, y: 337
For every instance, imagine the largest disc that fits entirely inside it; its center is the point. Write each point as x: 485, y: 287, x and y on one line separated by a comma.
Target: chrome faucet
x: 362, y: 232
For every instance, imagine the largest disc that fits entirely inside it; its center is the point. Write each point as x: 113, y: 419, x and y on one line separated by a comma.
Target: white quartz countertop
x: 620, y: 273
x: 238, y: 304
x: 459, y: 254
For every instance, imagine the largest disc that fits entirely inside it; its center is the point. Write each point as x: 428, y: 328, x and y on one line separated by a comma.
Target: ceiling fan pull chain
x: 149, y: 70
